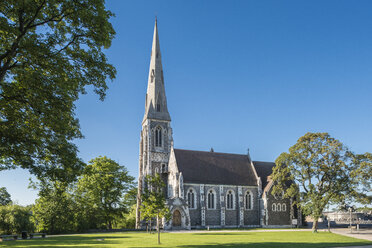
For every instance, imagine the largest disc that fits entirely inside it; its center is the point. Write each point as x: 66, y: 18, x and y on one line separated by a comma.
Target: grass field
x: 303, y: 239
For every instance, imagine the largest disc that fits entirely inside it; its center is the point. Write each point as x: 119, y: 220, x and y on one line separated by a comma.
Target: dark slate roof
x: 215, y: 168
x: 263, y: 169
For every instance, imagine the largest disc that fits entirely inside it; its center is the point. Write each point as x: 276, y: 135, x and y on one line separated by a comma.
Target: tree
x: 153, y: 201
x: 101, y: 188
x: 15, y: 219
x: 50, y: 50
x: 127, y: 219
x: 321, y: 170
x: 130, y: 199
x: 4, y: 197
x: 54, y: 210
x: 363, y: 173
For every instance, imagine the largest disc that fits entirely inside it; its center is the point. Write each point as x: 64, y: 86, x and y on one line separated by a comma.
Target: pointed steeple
x: 156, y: 101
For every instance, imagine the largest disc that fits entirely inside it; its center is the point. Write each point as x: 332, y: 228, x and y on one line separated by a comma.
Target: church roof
x: 215, y: 168
x: 264, y: 170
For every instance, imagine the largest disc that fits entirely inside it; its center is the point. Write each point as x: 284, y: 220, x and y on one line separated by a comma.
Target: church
x: 205, y: 189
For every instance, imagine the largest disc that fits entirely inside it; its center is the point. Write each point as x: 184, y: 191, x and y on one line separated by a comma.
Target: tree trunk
x: 315, y: 225
x: 329, y: 225
x: 150, y: 226
x: 158, y: 227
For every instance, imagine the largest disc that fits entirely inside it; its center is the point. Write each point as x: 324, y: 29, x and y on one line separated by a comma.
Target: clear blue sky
x: 238, y: 75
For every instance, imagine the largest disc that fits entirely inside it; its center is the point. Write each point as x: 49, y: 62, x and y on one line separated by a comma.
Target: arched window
x: 230, y: 200
x: 191, y: 198
x: 211, y: 200
x: 279, y: 207
x: 248, y: 200
x: 156, y: 170
x: 158, y: 137
x: 284, y: 207
x: 273, y: 207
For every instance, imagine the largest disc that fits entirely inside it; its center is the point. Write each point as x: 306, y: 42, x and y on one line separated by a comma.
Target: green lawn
x: 304, y: 239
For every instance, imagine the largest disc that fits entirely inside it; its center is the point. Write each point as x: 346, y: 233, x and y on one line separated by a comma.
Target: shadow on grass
x: 221, y: 233
x: 277, y: 245
x: 72, y: 241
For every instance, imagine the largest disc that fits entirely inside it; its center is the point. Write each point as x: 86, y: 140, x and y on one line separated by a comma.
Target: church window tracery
x: 211, y: 200
x: 191, y: 199
x: 279, y: 207
x: 158, y: 137
x: 248, y: 200
x: 273, y: 207
x: 230, y: 200
x: 284, y: 207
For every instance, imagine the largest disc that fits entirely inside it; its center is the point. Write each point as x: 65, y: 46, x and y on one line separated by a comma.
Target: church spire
x: 156, y: 101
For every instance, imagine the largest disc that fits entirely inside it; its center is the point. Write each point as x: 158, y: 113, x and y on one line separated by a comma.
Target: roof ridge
x: 211, y: 152
x: 262, y: 162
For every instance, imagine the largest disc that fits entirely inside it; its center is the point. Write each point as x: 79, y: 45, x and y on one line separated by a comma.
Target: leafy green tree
x: 4, y: 197
x: 50, y: 50
x: 101, y: 189
x: 15, y: 219
x: 153, y: 201
x: 54, y: 210
x: 127, y: 219
x: 322, y: 170
x: 363, y: 173
x: 130, y: 199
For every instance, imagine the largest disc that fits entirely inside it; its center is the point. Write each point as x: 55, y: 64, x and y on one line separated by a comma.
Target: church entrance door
x: 176, y: 218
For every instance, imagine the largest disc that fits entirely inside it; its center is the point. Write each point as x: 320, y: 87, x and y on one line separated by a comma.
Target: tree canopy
x: 50, y: 50
x: 322, y: 170
x: 101, y: 198
x: 54, y: 210
x: 101, y: 188
x: 4, y: 197
x: 363, y: 173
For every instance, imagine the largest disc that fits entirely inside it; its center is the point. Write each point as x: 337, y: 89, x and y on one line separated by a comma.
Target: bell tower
x: 156, y: 134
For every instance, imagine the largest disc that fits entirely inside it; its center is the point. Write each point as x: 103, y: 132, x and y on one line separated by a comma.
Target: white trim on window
x: 192, y: 199
x: 158, y: 137
x: 273, y: 207
x: 211, y: 199
x: 284, y: 207
x: 230, y: 199
x: 248, y: 200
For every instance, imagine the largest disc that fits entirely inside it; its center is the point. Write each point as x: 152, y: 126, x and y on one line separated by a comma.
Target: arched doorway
x: 176, y: 218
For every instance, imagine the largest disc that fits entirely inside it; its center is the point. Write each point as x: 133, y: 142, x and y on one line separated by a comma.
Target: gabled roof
x: 264, y: 169
x: 215, y: 168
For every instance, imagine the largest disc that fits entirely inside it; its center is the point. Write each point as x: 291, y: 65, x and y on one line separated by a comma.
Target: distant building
x: 204, y: 189
x: 343, y: 217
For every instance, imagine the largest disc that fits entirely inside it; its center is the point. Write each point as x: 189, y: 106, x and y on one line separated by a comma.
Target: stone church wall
x: 276, y: 216
x: 195, y: 214
x: 212, y: 216
x: 252, y: 216
x: 231, y: 217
